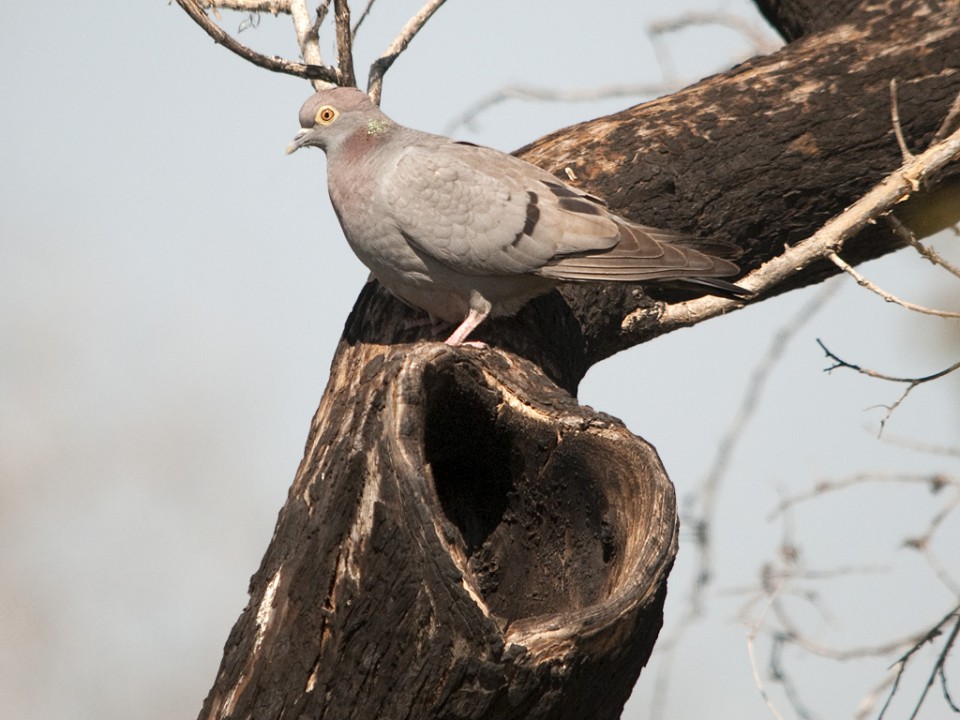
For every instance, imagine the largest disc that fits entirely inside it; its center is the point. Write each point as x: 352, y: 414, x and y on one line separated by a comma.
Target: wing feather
x: 481, y: 212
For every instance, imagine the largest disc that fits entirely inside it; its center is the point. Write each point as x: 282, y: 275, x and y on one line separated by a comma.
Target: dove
x: 466, y: 232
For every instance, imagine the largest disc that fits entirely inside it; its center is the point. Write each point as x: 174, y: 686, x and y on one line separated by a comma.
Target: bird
x: 467, y: 232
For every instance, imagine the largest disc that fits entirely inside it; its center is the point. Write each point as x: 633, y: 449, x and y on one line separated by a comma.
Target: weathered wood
x: 463, y: 540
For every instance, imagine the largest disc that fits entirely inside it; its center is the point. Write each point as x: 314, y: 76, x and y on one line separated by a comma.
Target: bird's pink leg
x: 469, y: 324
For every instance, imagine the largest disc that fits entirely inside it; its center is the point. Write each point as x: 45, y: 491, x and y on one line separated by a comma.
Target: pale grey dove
x: 465, y: 232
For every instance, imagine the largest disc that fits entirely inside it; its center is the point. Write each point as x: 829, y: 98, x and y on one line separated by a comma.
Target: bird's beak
x: 298, y: 140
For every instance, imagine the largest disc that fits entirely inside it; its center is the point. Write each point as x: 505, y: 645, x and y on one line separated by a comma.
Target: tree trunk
x: 462, y: 539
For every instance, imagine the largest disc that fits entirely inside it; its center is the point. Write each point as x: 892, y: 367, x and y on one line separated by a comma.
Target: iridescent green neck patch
x: 377, y: 126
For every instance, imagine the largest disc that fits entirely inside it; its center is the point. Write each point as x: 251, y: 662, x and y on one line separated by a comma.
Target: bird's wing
x: 483, y: 212
x: 641, y: 254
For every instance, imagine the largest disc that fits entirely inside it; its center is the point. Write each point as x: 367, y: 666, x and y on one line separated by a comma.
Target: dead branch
x: 363, y: 16
x: 889, y: 297
x: 911, y: 382
x: 827, y: 241
x: 399, y: 44
x: 308, y: 38
x: 276, y: 64
x: 759, y: 44
x: 938, y: 668
x: 274, y: 7
x: 341, y: 13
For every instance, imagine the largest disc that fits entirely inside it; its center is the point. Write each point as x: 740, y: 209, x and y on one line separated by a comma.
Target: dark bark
x: 795, y: 18
x: 463, y: 540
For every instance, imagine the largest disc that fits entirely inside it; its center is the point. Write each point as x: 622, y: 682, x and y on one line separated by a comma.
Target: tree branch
x: 341, y: 11
x: 896, y: 187
x: 276, y: 64
x: 889, y: 297
x: 399, y: 44
x: 274, y: 7
x: 308, y: 38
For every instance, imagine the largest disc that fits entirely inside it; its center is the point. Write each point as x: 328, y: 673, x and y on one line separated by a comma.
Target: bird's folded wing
x: 641, y: 254
x: 485, y: 213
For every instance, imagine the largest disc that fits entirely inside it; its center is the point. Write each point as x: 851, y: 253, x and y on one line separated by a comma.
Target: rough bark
x: 462, y: 539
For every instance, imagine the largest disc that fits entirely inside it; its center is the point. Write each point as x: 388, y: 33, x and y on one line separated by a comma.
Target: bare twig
x: 905, y: 153
x: 518, y: 92
x: 928, y: 637
x: 827, y: 240
x: 934, y: 481
x: 399, y: 44
x: 911, y: 382
x: 341, y: 12
x: 274, y: 7
x: 760, y: 42
x: 904, y: 233
x: 882, y: 376
x: 950, y: 122
x: 889, y: 297
x: 276, y: 64
x: 322, y: 9
x: 922, y: 446
x: 363, y: 16
x: 751, y: 638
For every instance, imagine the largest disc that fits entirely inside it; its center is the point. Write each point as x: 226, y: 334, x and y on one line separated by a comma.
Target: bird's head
x: 332, y: 116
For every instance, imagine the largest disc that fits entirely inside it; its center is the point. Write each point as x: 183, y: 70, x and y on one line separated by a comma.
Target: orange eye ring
x: 326, y: 115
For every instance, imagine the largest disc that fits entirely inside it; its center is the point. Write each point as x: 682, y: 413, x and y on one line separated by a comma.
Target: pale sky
x: 172, y: 288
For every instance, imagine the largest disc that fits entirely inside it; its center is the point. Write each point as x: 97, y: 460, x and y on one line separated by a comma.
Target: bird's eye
x: 326, y: 115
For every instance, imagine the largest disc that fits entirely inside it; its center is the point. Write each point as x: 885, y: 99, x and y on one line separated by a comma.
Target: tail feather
x: 718, y: 287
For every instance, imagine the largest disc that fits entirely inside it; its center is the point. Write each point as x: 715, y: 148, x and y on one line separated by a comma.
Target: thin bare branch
x: 276, y: 64
x: 827, y: 240
x: 399, y: 44
x: 905, y: 153
x: 591, y: 94
x: 950, y: 122
x: 934, y: 481
x: 928, y: 637
x: 889, y: 297
x: 911, y: 382
x: 363, y: 16
x: 274, y: 7
x: 322, y: 9
x: 922, y: 446
x: 760, y: 40
x: 882, y: 376
x: 751, y: 639
x: 904, y: 233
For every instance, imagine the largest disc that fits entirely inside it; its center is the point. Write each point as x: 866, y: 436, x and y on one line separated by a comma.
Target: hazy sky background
x: 172, y: 288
